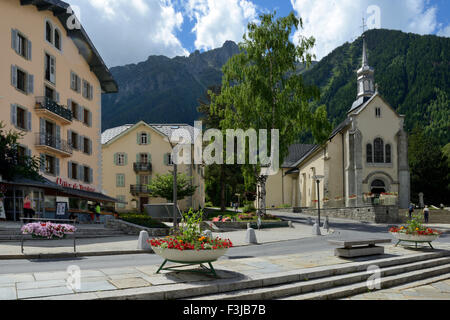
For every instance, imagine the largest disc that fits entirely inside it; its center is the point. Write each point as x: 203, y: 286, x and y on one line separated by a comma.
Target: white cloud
x: 444, y: 32
x: 128, y: 31
x: 219, y: 20
x: 333, y: 22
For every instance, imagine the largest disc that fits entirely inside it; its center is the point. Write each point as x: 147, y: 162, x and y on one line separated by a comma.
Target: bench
x: 359, y: 247
x: 46, y: 220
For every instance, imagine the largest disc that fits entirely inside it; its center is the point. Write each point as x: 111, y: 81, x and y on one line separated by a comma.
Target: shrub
x: 141, y: 220
x: 248, y: 207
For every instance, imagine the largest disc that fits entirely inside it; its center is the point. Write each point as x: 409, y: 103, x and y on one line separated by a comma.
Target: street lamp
x: 318, y: 178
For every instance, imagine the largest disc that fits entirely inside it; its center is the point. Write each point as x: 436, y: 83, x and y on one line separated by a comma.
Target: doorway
x: 142, y: 202
x: 378, y: 187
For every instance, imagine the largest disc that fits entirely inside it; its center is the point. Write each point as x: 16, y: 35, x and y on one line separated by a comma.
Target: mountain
x: 164, y: 90
x: 412, y: 71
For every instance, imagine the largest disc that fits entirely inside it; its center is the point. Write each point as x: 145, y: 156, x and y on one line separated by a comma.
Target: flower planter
x: 189, y: 256
x: 414, y: 238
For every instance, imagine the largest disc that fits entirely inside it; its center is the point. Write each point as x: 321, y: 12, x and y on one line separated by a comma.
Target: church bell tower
x: 366, y: 81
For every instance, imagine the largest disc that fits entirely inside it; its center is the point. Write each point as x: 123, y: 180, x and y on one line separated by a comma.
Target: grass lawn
x: 142, y: 220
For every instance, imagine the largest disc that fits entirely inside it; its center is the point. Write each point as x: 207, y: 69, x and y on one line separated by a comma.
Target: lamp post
x: 318, y: 178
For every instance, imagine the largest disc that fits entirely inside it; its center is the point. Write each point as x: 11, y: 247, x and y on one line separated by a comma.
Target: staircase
x: 12, y: 232
x: 333, y: 282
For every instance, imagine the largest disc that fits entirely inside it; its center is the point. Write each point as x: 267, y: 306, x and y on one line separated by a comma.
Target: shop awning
x: 42, y: 182
x: 89, y: 195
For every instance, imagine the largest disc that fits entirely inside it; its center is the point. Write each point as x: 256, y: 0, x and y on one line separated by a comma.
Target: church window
x: 388, y: 153
x: 378, y: 112
x: 378, y: 150
x: 369, y: 156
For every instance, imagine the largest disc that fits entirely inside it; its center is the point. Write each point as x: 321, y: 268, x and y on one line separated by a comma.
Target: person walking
x: 27, y: 210
x: 410, y: 210
x: 97, y: 212
x: 426, y: 213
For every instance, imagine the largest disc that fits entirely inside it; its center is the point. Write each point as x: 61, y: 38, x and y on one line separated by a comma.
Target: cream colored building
x: 133, y: 154
x: 364, y: 162
x: 50, y: 90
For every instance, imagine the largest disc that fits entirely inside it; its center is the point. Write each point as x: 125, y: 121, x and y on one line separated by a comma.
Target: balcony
x: 136, y: 189
x: 52, y: 110
x: 142, y: 167
x: 49, y: 143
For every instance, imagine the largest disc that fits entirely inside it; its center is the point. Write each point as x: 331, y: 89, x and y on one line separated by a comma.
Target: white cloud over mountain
x: 334, y: 22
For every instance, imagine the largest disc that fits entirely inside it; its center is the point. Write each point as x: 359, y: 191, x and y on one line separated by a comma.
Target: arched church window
x: 369, y: 156
x: 48, y: 32
x: 378, y: 150
x: 388, y: 153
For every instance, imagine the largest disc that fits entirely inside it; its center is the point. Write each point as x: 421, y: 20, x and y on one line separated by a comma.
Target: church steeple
x: 366, y: 85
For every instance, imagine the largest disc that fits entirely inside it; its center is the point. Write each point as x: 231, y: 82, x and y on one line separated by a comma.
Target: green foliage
x: 262, y: 90
x: 141, y: 220
x: 248, y: 207
x: 430, y: 169
x: 162, y: 186
x: 190, y: 229
x: 11, y: 162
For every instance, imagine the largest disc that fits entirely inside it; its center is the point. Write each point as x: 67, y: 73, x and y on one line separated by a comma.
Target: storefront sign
x: 61, y: 208
x: 78, y: 186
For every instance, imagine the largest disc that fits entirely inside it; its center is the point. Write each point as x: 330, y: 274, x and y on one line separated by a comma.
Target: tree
x: 12, y: 162
x: 261, y: 89
x: 162, y: 186
x: 430, y: 172
x: 220, y: 179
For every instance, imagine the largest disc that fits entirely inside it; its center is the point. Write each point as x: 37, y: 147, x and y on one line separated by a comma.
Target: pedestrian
x: 426, y: 213
x: 410, y: 210
x: 97, y: 212
x: 27, y: 210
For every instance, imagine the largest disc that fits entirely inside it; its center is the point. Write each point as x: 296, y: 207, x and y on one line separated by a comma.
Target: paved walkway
x: 95, y: 282
x: 128, y: 244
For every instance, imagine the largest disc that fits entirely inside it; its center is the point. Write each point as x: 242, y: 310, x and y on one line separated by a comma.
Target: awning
x: 93, y: 196
x: 42, y: 182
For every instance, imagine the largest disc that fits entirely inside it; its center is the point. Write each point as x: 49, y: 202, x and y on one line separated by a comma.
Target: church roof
x: 359, y: 102
x: 296, y: 151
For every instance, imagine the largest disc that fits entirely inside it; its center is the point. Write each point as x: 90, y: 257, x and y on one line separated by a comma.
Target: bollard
x: 250, y: 236
x: 309, y: 221
x: 290, y: 225
x: 316, y: 229
x: 142, y: 241
x: 248, y: 225
x: 326, y: 224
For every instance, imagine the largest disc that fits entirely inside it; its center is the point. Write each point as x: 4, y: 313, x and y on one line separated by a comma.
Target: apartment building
x: 52, y: 78
x: 133, y: 154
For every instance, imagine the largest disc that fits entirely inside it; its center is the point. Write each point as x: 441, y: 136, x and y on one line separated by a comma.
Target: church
x: 363, y: 164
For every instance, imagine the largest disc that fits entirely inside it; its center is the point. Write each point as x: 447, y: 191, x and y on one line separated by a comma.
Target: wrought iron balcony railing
x: 49, y: 140
x: 142, y: 166
x: 44, y: 103
x: 139, y: 188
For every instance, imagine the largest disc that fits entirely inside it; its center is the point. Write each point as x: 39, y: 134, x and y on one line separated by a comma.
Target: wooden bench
x: 46, y: 220
x: 359, y: 247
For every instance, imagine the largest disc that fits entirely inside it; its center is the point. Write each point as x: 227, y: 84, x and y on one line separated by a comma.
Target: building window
x: 87, y: 174
x: 378, y: 112
x: 57, y: 39
x: 50, y: 165
x: 87, y: 90
x: 74, y: 108
x: 74, y: 171
x: 50, y: 68
x: 143, y: 158
x: 144, y: 179
x: 87, y: 117
x: 121, y: 199
x: 144, y: 138
x: 87, y: 147
x: 20, y: 117
x: 378, y: 150
x: 369, y: 156
x: 74, y: 140
x: 120, y: 180
x: 21, y: 80
x: 22, y: 45
x: 48, y: 32
x: 388, y: 153
x: 75, y: 82
x: 120, y: 159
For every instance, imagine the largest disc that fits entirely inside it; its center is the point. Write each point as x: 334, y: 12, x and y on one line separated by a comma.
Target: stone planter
x: 414, y: 237
x: 189, y: 256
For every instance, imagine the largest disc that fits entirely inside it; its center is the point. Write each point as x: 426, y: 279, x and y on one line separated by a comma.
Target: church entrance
x: 377, y: 187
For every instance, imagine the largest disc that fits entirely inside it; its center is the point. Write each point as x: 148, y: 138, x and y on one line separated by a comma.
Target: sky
x: 128, y: 31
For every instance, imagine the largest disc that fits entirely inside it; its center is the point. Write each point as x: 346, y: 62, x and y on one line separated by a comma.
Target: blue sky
x: 128, y: 31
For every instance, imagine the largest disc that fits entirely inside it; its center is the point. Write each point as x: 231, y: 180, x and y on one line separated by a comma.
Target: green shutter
x: 115, y: 158
x: 138, y: 157
x: 149, y: 157
x: 125, y: 159
x: 138, y: 179
x: 166, y: 159
x: 138, y: 138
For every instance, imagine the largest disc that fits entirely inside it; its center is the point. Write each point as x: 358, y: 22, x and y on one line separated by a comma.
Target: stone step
x: 305, y: 286
x: 385, y: 283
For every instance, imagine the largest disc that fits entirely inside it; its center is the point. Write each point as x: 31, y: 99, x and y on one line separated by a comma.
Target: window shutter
x: 69, y: 104
x: 52, y: 69
x: 149, y: 157
x: 57, y: 96
x: 42, y: 161
x: 69, y: 137
x: 79, y: 113
x: 57, y: 166
x: 14, y: 114
x: 138, y: 138
x: 91, y: 175
x: 84, y: 93
x: 166, y: 159
x: 29, y: 120
x: 117, y: 180
x: 89, y: 119
x: 149, y: 138
x: 90, y: 146
x: 82, y: 114
x: 14, y: 43
x: 78, y: 84
x: 30, y: 80
x: 41, y: 127
x: 138, y: 157
x: 29, y: 152
x: 58, y: 137
x: 28, y: 49
x: 125, y: 159
x: 91, y: 92
x: 82, y: 143
x: 138, y: 180
x: 115, y: 158
x: 80, y: 170
x: 69, y: 169
x: 14, y: 76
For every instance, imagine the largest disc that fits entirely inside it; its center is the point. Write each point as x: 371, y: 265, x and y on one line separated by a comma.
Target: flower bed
x: 414, y: 231
x: 48, y: 230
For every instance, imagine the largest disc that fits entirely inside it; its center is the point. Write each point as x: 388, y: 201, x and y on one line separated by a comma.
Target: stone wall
x: 377, y: 214
x: 131, y: 228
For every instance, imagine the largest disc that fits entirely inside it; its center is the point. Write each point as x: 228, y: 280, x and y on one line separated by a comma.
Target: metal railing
x: 49, y: 140
x: 50, y: 105
x: 142, y: 166
x: 139, y: 188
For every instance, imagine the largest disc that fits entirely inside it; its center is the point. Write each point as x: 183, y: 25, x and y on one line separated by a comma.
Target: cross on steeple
x: 364, y: 25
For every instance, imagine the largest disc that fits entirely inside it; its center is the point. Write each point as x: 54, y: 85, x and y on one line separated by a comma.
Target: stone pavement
x: 107, y: 281
x: 128, y: 244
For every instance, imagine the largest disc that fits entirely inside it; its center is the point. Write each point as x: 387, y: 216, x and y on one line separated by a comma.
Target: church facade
x: 363, y: 163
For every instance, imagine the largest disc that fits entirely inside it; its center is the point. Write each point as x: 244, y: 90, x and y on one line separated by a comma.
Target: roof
x: 81, y: 41
x: 296, y: 151
x: 164, y: 129
x: 358, y: 102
